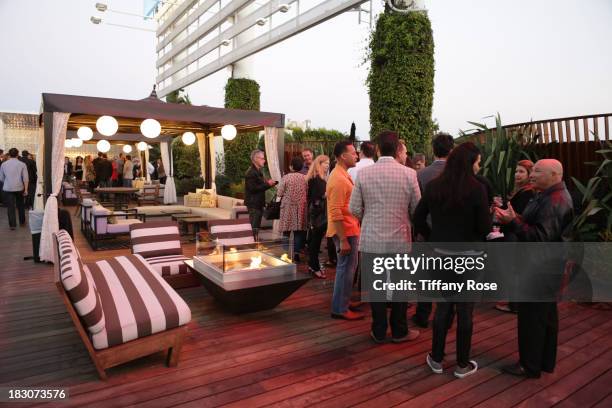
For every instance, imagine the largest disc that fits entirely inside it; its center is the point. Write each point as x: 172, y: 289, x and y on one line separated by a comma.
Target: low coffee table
x: 251, y: 295
x: 192, y: 220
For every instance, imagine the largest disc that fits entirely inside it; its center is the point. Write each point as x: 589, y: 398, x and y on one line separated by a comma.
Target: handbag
x: 317, y: 213
x: 272, y: 210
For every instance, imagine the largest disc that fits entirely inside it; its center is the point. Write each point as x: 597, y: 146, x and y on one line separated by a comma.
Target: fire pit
x: 248, y: 278
x: 223, y: 263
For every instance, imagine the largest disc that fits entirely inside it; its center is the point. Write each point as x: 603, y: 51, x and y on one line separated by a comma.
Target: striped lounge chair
x: 159, y: 243
x: 121, y: 307
x: 231, y: 232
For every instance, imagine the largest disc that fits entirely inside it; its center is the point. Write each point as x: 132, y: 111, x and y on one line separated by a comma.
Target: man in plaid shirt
x: 384, y: 199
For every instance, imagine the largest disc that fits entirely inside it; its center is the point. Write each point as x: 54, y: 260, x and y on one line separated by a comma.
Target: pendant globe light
x: 228, y: 132
x: 127, y: 149
x: 103, y: 146
x: 68, y: 143
x: 150, y: 128
x: 188, y: 138
x: 107, y: 125
x: 76, y: 142
x: 142, y: 146
x: 85, y: 133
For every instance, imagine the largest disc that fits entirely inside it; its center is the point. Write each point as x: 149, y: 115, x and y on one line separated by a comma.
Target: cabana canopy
x: 62, y: 114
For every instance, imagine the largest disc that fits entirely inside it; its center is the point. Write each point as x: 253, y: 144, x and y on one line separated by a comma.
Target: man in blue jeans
x: 343, y: 227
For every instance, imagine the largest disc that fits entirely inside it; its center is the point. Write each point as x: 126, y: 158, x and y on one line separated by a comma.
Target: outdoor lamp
x: 103, y: 146
x: 225, y: 42
x: 228, y: 132
x: 95, y: 20
x: 85, y: 133
x: 142, y: 146
x: 76, y: 142
x: 261, y: 21
x: 127, y: 149
x: 68, y: 143
x: 107, y: 125
x: 188, y: 138
x: 101, y: 7
x: 150, y: 128
x: 283, y: 8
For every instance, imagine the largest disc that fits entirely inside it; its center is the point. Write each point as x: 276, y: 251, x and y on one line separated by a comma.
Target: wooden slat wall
x: 568, y: 140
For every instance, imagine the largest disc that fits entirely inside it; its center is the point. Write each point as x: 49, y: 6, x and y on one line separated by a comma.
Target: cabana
x: 63, y: 115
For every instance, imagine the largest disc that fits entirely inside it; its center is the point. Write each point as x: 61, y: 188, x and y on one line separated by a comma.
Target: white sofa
x: 227, y: 208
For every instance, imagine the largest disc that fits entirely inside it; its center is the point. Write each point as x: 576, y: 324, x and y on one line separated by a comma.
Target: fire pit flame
x: 255, y: 262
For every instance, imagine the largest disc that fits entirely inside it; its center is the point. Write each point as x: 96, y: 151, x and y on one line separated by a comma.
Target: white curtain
x: 213, y: 160
x: 50, y: 221
x: 146, y: 166
x: 271, y: 143
x: 40, y: 151
x: 201, y: 137
x: 170, y: 189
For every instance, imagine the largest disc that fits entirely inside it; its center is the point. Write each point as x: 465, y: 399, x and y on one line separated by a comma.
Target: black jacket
x: 547, y: 217
x: 32, y: 171
x: 469, y: 223
x: 255, y: 187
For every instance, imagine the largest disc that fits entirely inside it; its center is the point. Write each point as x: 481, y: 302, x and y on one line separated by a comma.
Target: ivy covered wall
x: 401, y: 77
x: 240, y: 93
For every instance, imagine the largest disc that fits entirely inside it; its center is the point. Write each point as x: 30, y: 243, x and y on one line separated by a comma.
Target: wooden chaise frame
x: 170, y: 340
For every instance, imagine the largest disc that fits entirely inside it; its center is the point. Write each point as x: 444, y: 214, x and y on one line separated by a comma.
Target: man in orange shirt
x: 343, y: 227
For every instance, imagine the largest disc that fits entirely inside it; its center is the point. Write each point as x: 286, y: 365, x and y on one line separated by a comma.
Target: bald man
x: 547, y: 218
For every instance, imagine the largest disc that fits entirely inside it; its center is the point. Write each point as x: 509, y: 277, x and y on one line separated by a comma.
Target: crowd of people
x: 18, y: 177
x: 380, y: 206
x: 120, y: 171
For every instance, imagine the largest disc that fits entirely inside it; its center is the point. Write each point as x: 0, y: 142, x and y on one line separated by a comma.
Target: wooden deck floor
x: 292, y: 356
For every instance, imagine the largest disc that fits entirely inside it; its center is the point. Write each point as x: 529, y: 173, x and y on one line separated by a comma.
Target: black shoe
x: 377, y: 340
x: 12, y: 228
x: 420, y: 322
x: 518, y: 371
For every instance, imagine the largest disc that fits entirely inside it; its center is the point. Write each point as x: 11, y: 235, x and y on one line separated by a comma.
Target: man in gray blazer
x: 442, y: 145
x: 383, y: 199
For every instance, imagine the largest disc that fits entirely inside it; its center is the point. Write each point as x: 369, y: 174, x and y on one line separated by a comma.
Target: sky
x: 534, y: 59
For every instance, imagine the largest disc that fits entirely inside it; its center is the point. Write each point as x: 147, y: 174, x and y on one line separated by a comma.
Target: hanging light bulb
x: 107, y: 125
x: 188, y: 138
x: 68, y: 143
x: 76, y: 142
x: 142, y: 146
x: 150, y: 128
x: 103, y: 146
x: 228, y: 132
x: 127, y: 149
x: 85, y: 133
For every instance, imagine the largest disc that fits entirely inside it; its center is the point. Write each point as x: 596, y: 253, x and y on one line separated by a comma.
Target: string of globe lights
x: 150, y: 128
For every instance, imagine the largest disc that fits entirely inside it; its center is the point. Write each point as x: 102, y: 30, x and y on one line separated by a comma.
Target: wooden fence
x: 572, y: 140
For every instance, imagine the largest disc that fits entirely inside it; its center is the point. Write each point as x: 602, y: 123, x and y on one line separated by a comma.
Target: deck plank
x: 292, y: 356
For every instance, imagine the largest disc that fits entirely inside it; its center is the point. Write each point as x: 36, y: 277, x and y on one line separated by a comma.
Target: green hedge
x: 240, y: 93
x: 401, y: 77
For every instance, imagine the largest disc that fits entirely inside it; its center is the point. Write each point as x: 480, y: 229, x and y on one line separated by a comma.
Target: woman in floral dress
x: 293, y: 191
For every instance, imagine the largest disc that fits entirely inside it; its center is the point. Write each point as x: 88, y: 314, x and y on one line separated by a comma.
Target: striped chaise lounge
x: 121, y: 307
x: 231, y: 232
x: 159, y: 243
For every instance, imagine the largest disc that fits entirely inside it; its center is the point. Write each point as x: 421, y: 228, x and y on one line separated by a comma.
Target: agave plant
x: 501, y: 150
x: 597, y: 210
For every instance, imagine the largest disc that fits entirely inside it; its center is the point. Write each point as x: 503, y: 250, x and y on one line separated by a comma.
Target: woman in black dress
x: 78, y: 168
x: 524, y: 191
x: 459, y: 209
x: 317, y: 212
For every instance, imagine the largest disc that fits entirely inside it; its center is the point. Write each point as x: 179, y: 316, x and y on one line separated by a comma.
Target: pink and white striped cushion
x: 232, y: 232
x: 79, y: 285
x: 137, y: 302
x: 153, y: 239
x: 169, y: 264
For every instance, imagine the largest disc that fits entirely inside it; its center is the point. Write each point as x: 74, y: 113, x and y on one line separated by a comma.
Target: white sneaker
x: 462, y: 372
x: 434, y: 365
